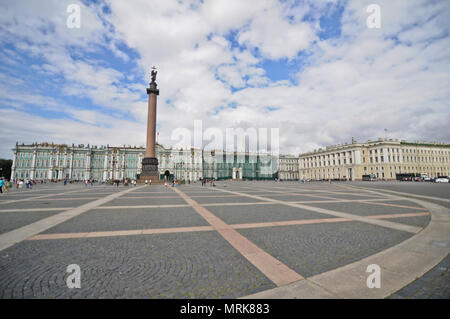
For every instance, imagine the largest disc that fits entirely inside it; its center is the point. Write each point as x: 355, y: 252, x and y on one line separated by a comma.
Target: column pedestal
x: 150, y: 171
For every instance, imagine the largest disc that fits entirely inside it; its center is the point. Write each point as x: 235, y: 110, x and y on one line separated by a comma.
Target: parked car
x: 442, y: 180
x: 369, y: 177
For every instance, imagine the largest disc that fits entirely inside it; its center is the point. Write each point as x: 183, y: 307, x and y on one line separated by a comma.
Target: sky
x: 313, y: 69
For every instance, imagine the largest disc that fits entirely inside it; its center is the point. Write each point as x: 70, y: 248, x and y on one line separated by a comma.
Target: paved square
x: 16, y: 219
x: 192, y: 241
x: 262, y: 213
x: 313, y: 249
x: 182, y: 265
x: 127, y: 219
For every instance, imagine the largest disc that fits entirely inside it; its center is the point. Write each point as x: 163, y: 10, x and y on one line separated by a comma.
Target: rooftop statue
x: 154, y: 72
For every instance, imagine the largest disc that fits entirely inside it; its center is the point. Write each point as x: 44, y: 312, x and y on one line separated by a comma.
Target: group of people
x: 86, y: 182
x: 210, y: 181
x: 133, y: 183
x: 126, y: 182
x: 4, y: 184
x: 27, y: 182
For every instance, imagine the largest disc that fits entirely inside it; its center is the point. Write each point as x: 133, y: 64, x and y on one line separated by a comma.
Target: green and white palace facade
x: 48, y: 161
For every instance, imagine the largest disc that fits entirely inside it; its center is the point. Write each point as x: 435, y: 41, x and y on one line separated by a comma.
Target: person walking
x: 8, y: 185
x: 1, y: 185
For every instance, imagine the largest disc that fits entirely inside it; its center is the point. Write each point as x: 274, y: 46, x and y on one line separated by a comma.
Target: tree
x: 5, y: 168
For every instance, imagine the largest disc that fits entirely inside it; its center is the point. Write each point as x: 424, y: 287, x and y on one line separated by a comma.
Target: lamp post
x: 113, y: 164
x: 124, y: 167
x: 177, y: 167
x: 182, y: 165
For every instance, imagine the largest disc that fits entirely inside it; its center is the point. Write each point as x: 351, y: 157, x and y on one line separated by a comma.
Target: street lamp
x: 177, y: 165
x: 113, y: 163
x: 124, y: 167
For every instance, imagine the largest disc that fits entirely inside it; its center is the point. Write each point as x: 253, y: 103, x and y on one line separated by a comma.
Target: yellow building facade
x: 386, y: 159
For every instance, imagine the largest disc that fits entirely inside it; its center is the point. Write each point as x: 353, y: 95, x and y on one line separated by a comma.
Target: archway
x: 168, y: 176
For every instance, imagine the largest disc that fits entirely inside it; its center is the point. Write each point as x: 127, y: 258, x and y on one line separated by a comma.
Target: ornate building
x: 386, y: 159
x: 59, y: 161
x: 288, y: 168
x: 47, y: 161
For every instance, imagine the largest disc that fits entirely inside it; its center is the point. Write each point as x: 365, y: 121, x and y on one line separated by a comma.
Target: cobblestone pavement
x: 441, y: 190
x: 228, y: 241
x: 435, y: 284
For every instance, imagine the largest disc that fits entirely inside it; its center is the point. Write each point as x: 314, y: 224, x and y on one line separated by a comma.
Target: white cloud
x: 279, y: 38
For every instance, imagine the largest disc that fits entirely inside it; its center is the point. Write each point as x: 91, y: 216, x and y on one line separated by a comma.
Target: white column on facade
x: 13, y: 166
x: 123, y: 166
x: 111, y: 170
x: 57, y: 164
x: 50, y: 165
x: 71, y: 165
x: 385, y: 155
x: 33, y: 165
x: 139, y: 164
x: 357, y: 157
x: 105, y: 167
x: 60, y: 167
x: 64, y: 166
x: 88, y: 166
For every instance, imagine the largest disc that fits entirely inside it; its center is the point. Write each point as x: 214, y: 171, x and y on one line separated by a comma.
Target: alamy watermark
x: 74, y: 18
x: 374, y: 279
x: 374, y: 19
x: 74, y: 279
x: 232, y: 145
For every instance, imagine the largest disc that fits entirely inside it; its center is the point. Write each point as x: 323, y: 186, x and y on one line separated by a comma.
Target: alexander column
x: 150, y: 162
